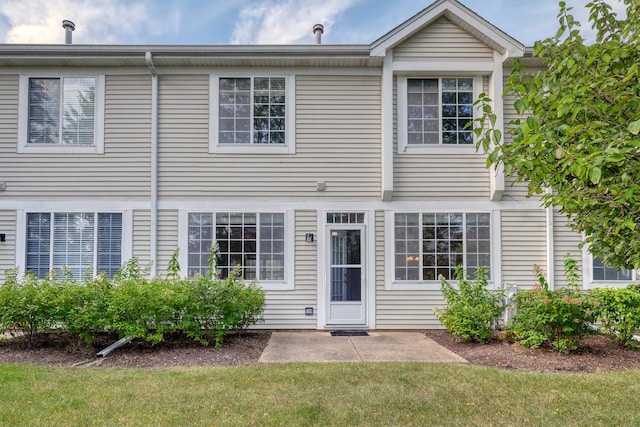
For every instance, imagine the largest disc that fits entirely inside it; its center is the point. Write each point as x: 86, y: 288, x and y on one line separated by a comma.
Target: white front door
x: 346, y: 275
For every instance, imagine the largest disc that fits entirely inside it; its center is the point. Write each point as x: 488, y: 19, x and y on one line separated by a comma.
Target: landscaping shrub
x: 472, y: 309
x: 559, y: 318
x: 619, y: 313
x: 27, y: 306
x: 130, y: 304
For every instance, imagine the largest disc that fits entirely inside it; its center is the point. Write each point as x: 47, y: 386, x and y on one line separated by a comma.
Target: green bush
x: 472, y: 309
x: 559, y: 318
x: 619, y: 313
x: 28, y: 306
x: 130, y: 304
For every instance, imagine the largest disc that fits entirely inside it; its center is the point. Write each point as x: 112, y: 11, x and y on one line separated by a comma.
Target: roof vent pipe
x: 318, y: 29
x: 69, y: 27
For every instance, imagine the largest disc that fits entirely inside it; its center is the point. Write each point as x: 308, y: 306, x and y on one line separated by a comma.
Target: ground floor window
x: 429, y: 245
x: 253, y: 241
x: 83, y: 242
x: 605, y: 273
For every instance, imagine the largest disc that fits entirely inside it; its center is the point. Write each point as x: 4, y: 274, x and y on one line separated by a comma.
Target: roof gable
x: 459, y: 15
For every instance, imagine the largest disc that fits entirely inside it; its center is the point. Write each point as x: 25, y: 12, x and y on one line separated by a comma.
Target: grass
x: 315, y: 394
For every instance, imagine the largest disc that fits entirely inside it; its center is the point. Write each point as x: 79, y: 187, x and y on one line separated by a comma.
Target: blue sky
x: 252, y: 21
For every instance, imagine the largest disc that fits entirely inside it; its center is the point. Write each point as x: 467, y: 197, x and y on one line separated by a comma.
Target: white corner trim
x: 289, y: 147
x: 387, y: 128
x: 23, y: 119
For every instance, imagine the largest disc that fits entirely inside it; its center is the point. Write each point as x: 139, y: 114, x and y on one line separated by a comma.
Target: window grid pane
x: 73, y: 242
x: 478, y: 251
x: 442, y: 245
x: 236, y: 234
x: 457, y: 111
x: 422, y: 111
x: 109, y: 243
x: 200, y: 241
x: 271, y: 249
x: 235, y: 111
x: 44, y: 111
x: 345, y: 218
x: 602, y: 272
x: 38, y: 243
x: 78, y: 111
x: 269, y: 110
x: 407, y: 247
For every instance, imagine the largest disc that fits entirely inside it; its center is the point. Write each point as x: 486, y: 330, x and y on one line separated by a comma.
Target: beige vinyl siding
x: 142, y: 236
x: 524, y: 243
x: 7, y: 248
x: 337, y: 142
x: 285, y: 309
x: 123, y: 169
x: 398, y: 309
x: 566, y: 241
x: 442, y: 39
x: 167, y: 238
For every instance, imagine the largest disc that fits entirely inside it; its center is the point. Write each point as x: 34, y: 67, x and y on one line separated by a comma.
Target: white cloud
x: 104, y: 22
x: 286, y: 21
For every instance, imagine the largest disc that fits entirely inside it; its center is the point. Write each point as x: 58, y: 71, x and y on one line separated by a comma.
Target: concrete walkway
x: 320, y: 346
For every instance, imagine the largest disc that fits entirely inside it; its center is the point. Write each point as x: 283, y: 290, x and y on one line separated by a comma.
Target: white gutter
x: 550, y: 247
x: 154, y: 164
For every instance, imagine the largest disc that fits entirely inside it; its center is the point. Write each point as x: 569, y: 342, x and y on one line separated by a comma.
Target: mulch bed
x: 596, y: 353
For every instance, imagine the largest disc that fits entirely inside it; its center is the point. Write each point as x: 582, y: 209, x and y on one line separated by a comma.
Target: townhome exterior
x: 340, y: 177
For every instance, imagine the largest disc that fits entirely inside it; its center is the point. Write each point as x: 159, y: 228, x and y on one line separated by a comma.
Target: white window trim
x: 289, y: 245
x: 403, y: 146
x: 587, y: 274
x: 411, y: 285
x: 23, y: 118
x: 290, y: 131
x: 21, y: 233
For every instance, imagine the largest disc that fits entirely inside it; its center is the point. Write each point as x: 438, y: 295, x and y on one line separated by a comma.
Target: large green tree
x: 578, y: 134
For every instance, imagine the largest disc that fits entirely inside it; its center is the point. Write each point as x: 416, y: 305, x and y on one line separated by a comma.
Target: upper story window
x: 436, y: 114
x: 61, y: 114
x: 252, y: 114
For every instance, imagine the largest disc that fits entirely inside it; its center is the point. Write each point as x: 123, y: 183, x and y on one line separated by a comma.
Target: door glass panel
x: 346, y: 268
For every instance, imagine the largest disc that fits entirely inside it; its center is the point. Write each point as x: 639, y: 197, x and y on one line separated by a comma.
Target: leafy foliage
x: 472, y: 309
x: 579, y: 131
x: 619, y: 313
x: 131, y: 305
x: 558, y: 318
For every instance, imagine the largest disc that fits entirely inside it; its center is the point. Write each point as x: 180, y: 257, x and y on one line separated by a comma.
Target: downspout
x: 154, y: 164
x: 550, y: 247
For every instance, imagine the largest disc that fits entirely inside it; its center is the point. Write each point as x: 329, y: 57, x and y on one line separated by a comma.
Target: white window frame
x: 590, y: 283
x: 287, y: 148
x: 403, y: 146
x: 23, y: 117
x: 289, y: 244
x: 390, y: 281
x: 21, y: 234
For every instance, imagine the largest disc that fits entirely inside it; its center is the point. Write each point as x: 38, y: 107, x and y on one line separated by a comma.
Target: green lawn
x: 315, y: 394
